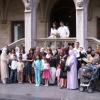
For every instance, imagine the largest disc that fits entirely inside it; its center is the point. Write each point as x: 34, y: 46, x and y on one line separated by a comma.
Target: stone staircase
x: 93, y: 42
x: 18, y: 43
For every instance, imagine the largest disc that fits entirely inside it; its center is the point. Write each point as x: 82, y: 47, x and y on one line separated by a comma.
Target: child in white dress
x: 20, y: 66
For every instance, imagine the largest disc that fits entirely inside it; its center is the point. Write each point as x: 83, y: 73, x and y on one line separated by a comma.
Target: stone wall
x: 15, y: 13
x: 4, y: 34
x: 41, y: 22
x: 92, y: 23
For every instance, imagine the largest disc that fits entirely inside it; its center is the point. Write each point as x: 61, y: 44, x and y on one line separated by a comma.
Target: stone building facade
x: 32, y: 19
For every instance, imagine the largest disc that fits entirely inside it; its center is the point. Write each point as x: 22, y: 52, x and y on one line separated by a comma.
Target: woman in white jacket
x: 72, y: 79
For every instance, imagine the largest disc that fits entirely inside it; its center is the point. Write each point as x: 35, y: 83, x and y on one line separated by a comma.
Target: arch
x: 66, y: 11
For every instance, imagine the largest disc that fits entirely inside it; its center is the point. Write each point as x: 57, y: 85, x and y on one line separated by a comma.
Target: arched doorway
x: 64, y: 10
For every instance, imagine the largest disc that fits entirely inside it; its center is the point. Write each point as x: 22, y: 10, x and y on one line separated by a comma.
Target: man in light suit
x: 63, y: 31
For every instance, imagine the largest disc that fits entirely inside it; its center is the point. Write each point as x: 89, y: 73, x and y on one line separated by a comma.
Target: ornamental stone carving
x: 27, y: 4
x: 80, y: 3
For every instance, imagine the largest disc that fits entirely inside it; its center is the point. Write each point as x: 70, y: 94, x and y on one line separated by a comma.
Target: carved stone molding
x: 30, y: 4
x: 80, y: 3
x: 27, y: 4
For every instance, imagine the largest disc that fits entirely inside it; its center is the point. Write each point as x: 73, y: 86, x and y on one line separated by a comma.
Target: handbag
x: 67, y: 68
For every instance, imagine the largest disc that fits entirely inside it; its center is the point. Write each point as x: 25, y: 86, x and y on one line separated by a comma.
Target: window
x: 17, y: 30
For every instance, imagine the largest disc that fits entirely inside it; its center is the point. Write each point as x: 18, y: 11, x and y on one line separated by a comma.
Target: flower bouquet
x: 57, y: 35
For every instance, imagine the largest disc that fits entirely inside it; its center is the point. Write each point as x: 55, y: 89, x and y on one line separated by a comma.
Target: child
x: 63, y: 75
x: 46, y: 72
x: 37, y: 64
x: 13, y: 73
x: 20, y: 66
x: 58, y: 74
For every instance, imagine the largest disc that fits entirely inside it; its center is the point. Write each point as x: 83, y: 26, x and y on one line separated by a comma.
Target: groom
x: 63, y: 31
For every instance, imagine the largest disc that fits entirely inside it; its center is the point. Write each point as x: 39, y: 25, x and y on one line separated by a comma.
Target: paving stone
x: 30, y: 92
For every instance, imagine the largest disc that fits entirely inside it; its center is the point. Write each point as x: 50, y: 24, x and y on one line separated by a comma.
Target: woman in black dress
x: 28, y: 66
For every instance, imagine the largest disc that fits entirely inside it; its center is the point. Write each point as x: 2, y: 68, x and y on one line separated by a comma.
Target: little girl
x: 63, y: 75
x: 20, y: 66
x: 46, y: 72
x: 37, y: 64
x: 58, y: 73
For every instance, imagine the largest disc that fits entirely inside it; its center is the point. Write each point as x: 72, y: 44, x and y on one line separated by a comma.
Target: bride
x: 54, y: 32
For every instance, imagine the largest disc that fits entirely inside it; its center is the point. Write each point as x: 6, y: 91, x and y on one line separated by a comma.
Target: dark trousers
x: 27, y: 72
x: 13, y: 76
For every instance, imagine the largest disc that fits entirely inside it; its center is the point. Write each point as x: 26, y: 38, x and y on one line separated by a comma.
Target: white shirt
x: 46, y: 66
x: 63, y: 31
x: 77, y: 52
x: 13, y: 64
x: 24, y: 57
x: 17, y: 54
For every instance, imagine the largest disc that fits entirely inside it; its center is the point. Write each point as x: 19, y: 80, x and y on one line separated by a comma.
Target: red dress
x: 46, y: 71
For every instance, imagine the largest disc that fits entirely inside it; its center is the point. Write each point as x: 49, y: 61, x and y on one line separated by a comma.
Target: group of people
x: 61, y: 32
x: 43, y: 66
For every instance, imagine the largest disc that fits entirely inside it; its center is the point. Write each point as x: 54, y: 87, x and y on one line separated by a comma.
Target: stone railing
x: 17, y: 43
x: 93, y: 42
x: 45, y: 42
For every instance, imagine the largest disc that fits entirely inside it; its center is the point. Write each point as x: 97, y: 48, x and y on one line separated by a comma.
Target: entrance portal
x: 64, y: 10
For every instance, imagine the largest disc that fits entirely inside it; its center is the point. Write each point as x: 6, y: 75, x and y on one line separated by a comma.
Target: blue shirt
x: 37, y: 64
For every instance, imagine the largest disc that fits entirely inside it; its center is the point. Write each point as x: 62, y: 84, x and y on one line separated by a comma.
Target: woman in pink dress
x: 46, y: 72
x: 58, y: 70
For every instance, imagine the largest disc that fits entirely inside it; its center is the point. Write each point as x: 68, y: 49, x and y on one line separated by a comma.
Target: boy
x: 13, y: 73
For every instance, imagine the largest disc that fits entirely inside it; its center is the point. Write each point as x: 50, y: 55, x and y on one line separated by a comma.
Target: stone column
x: 81, y: 21
x: 34, y: 22
x: 30, y: 23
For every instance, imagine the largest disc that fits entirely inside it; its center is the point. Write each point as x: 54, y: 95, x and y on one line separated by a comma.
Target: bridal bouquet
x: 57, y: 35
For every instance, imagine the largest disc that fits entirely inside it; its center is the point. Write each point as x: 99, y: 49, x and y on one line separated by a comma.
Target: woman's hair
x: 13, y: 50
x: 22, y: 50
x: 66, y: 51
x: 45, y: 59
x: 58, y: 64
x: 20, y: 58
x: 50, y: 51
x: 0, y: 52
x: 38, y: 56
x: 31, y: 50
